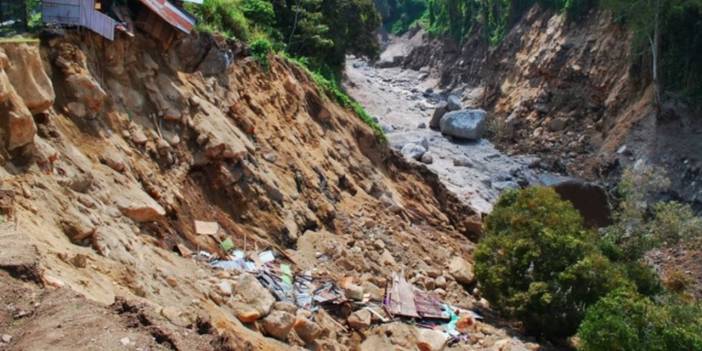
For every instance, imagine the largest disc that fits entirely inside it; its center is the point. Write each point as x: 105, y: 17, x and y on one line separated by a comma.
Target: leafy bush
x: 260, y: 49
x: 223, y: 16
x: 640, y: 227
x: 330, y: 88
x: 538, y: 264
x: 626, y: 321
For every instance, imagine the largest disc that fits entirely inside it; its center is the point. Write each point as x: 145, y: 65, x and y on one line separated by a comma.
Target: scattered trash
x: 206, y: 228
x: 266, y: 256
x: 227, y: 245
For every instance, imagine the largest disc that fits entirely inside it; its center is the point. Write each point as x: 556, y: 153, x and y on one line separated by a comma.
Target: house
x: 159, y: 18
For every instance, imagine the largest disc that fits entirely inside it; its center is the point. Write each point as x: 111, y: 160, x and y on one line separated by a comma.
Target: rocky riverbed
x: 403, y: 101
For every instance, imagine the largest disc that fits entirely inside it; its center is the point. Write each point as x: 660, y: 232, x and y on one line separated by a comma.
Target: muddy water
x: 403, y: 102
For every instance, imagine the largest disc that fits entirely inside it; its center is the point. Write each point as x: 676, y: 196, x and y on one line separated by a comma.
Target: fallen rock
x: 28, y: 77
x: 251, y: 300
x: 461, y: 270
x: 353, y: 291
x: 511, y: 344
x: 462, y: 161
x: 427, y: 158
x: 413, y: 151
x: 453, y: 103
x: 6, y: 338
x: 278, y: 324
x: 308, y: 330
x: 431, y: 340
x: 439, y: 112
x: 148, y: 211
x: 285, y: 307
x: 360, y: 320
x: 464, y: 124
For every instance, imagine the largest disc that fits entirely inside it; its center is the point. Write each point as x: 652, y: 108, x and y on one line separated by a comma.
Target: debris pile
x: 304, y: 292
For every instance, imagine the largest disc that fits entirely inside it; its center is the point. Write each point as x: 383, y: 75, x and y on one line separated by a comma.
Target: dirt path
x: 403, y: 102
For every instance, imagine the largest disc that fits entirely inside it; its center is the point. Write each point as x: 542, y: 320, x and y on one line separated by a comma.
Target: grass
x: 19, y: 40
x: 333, y: 91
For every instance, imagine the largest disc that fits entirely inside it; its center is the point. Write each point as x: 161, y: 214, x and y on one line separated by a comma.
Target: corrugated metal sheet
x: 61, y: 12
x: 79, y: 13
x: 171, y: 14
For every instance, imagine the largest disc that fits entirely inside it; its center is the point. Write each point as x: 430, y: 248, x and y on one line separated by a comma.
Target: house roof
x: 171, y: 14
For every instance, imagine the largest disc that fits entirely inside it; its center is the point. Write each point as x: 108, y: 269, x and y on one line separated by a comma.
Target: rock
x: 387, y: 128
x: 427, y: 158
x: 386, y: 259
x: 278, y: 324
x: 511, y: 344
x: 376, y: 343
x: 125, y: 341
x: 114, y: 160
x: 462, y: 161
x: 464, y: 124
x: 439, y: 112
x: 285, y: 307
x: 557, y: 124
x: 6, y: 338
x: 76, y: 109
x: 143, y: 209
x: 87, y: 91
x: 224, y: 288
x: 308, y: 330
x: 422, y: 125
x: 360, y: 320
x: 461, y: 270
x: 453, y: 103
x: 353, y: 291
x: 431, y: 340
x: 440, y: 282
x: 251, y: 301
x: 413, y: 151
x: 28, y: 77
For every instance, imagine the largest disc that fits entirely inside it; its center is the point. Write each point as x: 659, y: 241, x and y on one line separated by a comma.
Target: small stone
x: 422, y: 125
x: 413, y: 151
x: 360, y: 320
x: 224, y: 288
x: 172, y: 281
x: 427, y: 158
x: 462, y: 161
x: 6, y: 338
x: 440, y: 282
x: 124, y: 341
x: 354, y: 292
x: 453, y: 103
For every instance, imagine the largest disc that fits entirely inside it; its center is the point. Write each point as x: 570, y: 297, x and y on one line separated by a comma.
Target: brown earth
x: 103, y: 181
x: 573, y: 94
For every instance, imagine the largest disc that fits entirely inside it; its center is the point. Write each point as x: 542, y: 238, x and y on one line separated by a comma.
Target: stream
x: 403, y: 102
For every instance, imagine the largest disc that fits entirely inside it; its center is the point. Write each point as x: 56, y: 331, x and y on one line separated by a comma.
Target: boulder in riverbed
x: 464, y: 124
x: 414, y: 151
x: 454, y: 103
x: 439, y: 112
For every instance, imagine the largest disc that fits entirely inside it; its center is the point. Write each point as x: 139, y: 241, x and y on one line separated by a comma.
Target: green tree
x: 626, y: 321
x: 649, y: 19
x: 538, y: 264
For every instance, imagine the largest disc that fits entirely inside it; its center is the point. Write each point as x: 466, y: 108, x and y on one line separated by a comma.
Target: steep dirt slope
x: 570, y: 92
x: 111, y: 151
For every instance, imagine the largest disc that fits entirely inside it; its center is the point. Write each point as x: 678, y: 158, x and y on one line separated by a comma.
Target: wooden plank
x: 400, y: 299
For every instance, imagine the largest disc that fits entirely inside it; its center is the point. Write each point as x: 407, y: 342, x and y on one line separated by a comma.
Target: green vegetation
x: 626, y: 321
x: 332, y: 89
x: 538, y: 264
x: 260, y: 49
x: 399, y: 15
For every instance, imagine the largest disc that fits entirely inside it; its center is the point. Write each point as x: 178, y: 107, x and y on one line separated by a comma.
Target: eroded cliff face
x: 570, y: 92
x: 111, y: 152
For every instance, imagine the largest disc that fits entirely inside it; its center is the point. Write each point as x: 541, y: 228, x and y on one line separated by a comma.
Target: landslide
x: 573, y: 93
x: 110, y: 152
